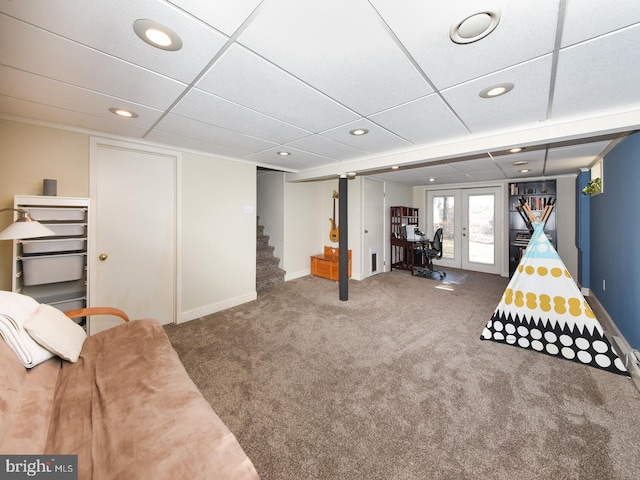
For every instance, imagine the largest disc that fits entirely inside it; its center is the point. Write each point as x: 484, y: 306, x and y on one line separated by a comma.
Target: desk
x: 403, y: 254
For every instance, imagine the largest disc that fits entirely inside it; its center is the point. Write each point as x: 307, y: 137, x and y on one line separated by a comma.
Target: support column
x: 343, y: 241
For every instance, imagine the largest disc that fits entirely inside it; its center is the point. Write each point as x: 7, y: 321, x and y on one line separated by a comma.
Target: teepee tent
x: 542, y: 309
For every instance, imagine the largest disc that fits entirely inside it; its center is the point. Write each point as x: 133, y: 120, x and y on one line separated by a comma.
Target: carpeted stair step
x: 268, y: 271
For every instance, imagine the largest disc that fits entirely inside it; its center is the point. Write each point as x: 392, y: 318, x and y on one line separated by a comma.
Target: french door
x: 472, y: 231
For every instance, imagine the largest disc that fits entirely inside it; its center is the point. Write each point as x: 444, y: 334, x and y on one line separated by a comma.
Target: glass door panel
x: 481, y: 249
x: 443, y: 212
x: 481, y: 232
x: 444, y: 216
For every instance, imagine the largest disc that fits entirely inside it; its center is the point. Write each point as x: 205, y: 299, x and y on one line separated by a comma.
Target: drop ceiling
x: 254, y: 78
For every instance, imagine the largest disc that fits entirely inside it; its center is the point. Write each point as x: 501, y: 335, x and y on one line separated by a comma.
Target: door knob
x: 102, y: 257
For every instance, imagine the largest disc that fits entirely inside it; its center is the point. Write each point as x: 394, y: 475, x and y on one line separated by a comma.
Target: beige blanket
x: 129, y: 410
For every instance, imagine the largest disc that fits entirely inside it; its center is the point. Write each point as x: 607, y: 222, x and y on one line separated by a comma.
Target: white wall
x: 566, y: 223
x: 305, y: 232
x: 218, y: 238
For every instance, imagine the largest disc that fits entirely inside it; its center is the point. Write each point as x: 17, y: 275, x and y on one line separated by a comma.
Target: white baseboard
x: 294, y: 275
x: 216, y: 307
x: 617, y: 340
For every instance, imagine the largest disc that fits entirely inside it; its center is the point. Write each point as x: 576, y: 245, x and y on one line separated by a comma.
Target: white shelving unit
x: 54, y: 270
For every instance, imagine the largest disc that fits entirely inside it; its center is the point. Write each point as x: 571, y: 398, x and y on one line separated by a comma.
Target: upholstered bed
x: 126, y: 408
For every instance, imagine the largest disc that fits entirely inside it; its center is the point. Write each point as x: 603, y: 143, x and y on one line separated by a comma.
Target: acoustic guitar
x: 334, y: 234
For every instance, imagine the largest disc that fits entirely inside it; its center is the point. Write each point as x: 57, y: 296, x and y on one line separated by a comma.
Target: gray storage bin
x: 53, y: 245
x: 57, y: 214
x: 52, y: 268
x: 68, y: 229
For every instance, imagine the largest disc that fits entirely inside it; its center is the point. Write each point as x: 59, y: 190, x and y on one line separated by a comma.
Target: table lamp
x: 24, y: 227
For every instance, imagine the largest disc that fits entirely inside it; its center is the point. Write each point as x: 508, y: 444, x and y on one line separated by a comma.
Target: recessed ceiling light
x: 284, y: 154
x: 432, y: 179
x: 121, y: 112
x: 496, y: 90
x: 525, y: 170
x: 395, y: 167
x: 519, y: 162
x: 515, y: 150
x: 157, y: 35
x: 359, y: 131
x: 474, y: 27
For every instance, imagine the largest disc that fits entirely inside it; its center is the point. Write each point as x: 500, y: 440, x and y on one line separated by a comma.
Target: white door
x: 373, y: 238
x: 471, y: 232
x: 133, y: 232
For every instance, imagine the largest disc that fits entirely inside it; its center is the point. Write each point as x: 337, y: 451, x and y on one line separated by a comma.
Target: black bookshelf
x: 537, y: 195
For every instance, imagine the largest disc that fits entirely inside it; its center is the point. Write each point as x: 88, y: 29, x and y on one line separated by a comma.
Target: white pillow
x: 15, y: 309
x: 56, y: 332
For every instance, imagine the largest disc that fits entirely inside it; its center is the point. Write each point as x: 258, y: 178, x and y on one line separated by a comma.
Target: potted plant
x: 594, y: 186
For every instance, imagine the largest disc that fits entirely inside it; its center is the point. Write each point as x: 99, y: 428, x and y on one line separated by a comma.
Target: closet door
x: 373, y: 239
x: 134, y: 232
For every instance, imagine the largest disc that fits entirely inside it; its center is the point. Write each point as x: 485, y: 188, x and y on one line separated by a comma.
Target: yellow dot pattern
x: 555, y: 272
x: 576, y: 307
x: 545, y: 303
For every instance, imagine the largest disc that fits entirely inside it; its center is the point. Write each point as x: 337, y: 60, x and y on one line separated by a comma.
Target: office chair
x: 433, y: 250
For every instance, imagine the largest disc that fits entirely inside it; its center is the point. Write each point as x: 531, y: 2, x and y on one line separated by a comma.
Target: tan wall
x: 28, y: 154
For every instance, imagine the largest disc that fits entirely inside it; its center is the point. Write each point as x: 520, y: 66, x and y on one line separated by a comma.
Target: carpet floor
x: 395, y: 383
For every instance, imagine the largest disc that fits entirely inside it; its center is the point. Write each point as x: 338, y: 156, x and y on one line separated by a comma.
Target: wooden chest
x: 327, y: 265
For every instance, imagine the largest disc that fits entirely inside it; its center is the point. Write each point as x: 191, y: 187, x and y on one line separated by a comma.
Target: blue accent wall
x: 615, y: 238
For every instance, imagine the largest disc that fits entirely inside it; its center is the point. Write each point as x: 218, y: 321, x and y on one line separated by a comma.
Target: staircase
x: 268, y: 273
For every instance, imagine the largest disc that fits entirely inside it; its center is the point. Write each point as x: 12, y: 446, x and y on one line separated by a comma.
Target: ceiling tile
x: 60, y: 116
x: 526, y: 103
x: 213, y: 110
x: 277, y: 93
x: 425, y: 120
x: 572, y: 158
x: 526, y: 31
x: 225, y: 16
x: 195, y: 144
x: 77, y: 65
x: 45, y: 91
x: 294, y: 162
x: 585, y: 19
x: 475, y: 165
x: 599, y: 74
x: 531, y: 157
x: 190, y: 128
x: 326, y: 147
x: 84, y: 22
x: 362, y: 66
x: 377, y: 140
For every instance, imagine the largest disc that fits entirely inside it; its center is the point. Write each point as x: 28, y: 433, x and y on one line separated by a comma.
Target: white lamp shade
x: 31, y: 229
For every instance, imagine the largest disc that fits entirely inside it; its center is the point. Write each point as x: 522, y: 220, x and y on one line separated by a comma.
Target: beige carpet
x: 396, y: 384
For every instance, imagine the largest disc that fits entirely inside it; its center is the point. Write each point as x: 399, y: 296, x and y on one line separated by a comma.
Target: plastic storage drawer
x: 57, y: 214
x: 66, y: 305
x: 52, y: 268
x: 52, y: 246
x: 68, y: 229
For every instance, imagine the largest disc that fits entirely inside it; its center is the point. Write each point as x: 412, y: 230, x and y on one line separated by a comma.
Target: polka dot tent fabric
x: 543, y: 309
